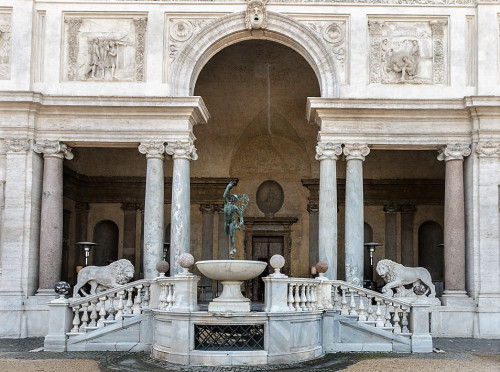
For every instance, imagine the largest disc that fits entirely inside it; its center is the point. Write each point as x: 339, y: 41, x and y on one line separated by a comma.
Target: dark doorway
x: 106, y: 236
x: 263, y: 248
x: 430, y: 252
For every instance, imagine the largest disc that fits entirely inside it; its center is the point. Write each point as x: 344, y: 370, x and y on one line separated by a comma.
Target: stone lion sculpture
x: 102, y: 278
x: 397, y: 276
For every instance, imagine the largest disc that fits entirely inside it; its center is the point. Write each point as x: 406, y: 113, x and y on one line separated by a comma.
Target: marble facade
x: 125, y: 83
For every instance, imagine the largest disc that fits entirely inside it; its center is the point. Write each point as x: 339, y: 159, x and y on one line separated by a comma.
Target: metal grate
x: 229, y: 337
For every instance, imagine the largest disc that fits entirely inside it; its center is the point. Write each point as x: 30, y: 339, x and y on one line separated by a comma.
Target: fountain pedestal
x: 231, y: 273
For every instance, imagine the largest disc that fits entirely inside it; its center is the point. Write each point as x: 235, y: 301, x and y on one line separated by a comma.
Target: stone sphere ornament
x: 186, y: 260
x: 62, y: 289
x: 277, y: 262
x: 321, y: 268
x: 162, y: 267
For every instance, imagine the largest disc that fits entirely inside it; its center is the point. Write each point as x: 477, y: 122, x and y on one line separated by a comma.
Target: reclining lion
x: 105, y: 277
x: 397, y: 276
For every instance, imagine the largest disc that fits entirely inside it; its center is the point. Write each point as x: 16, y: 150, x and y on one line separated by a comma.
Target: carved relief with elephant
x: 99, y: 49
x: 408, y: 52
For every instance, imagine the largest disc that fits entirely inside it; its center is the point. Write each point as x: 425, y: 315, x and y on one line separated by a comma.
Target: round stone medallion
x: 270, y: 197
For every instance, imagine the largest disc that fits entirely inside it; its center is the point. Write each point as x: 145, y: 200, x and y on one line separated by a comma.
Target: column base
x: 455, y: 297
x: 46, y: 292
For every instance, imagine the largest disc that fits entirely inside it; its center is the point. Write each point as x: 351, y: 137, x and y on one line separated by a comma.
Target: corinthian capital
x: 182, y: 150
x: 356, y: 151
x: 16, y: 144
x: 488, y: 149
x: 152, y: 149
x: 328, y: 150
x: 54, y: 149
x: 455, y: 151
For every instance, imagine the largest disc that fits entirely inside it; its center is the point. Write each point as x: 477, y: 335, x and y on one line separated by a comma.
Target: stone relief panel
x: 180, y: 28
x: 5, y: 47
x: 335, y: 32
x: 408, y: 52
x: 104, y: 49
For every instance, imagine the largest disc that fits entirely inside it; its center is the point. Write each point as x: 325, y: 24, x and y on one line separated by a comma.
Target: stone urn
x: 231, y: 273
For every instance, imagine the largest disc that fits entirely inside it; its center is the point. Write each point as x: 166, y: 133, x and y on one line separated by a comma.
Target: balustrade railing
x: 302, y: 294
x: 96, y: 311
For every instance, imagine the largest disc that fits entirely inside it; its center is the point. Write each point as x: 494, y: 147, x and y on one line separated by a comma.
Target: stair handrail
x: 370, y: 292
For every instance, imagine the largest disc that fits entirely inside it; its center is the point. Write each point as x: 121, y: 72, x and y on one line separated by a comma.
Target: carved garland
x: 140, y: 46
x: 73, y: 30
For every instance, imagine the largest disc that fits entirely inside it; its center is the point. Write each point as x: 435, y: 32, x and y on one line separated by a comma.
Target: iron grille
x: 229, y: 337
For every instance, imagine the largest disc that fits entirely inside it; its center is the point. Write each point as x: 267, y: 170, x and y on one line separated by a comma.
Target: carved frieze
x: 395, y: 2
x: 408, y: 52
x: 16, y: 144
x: 5, y: 47
x: 335, y: 33
x: 488, y: 149
x: 104, y: 49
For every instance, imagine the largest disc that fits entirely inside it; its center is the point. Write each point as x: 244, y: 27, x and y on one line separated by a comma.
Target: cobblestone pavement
x: 460, y: 354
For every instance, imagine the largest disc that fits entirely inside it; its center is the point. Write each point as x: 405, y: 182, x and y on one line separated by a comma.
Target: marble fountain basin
x: 231, y: 273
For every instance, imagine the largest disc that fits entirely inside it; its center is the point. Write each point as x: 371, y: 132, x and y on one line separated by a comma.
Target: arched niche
x: 430, y: 249
x: 230, y: 29
x: 106, y: 236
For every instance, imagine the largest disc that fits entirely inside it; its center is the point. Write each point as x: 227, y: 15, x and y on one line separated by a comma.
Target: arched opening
x: 106, y: 236
x: 430, y: 252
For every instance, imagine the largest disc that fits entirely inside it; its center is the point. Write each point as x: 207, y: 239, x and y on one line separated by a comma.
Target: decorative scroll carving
x: 105, y: 49
x: 356, y: 151
x: 140, y: 46
x: 256, y: 15
x: 328, y: 150
x: 455, y: 151
x: 17, y: 144
x: 182, y: 150
x: 407, y: 52
x: 152, y: 149
x: 53, y: 149
x: 488, y: 149
x: 334, y: 32
x: 5, y: 46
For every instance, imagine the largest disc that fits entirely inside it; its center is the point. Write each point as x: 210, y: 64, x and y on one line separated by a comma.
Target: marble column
x: 207, y: 243
x: 153, y: 207
x: 454, y: 219
x: 182, y: 154
x: 354, y: 212
x: 327, y: 154
x: 407, y: 212
x: 313, y: 210
x: 391, y: 232
x: 51, y: 222
x: 129, y: 231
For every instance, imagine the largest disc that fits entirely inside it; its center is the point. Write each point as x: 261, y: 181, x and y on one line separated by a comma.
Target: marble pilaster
x: 354, y: 213
x: 454, y: 219
x: 327, y: 154
x: 407, y: 212
x: 153, y: 207
x: 313, y: 210
x: 391, y: 231
x: 182, y: 154
x: 51, y: 222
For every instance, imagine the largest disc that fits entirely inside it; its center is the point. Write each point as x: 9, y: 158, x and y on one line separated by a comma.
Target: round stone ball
x: 62, y: 288
x: 162, y: 266
x: 419, y: 289
x: 321, y: 267
x: 277, y: 261
x: 186, y: 260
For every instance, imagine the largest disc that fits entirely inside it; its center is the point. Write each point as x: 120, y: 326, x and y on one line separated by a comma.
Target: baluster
x: 162, y: 297
x: 296, y: 298
x: 111, y: 308
x: 102, y: 311
x: 137, y: 309
x: 121, y: 306
x: 307, y: 304
x: 396, y: 319
x: 290, y: 297
x: 128, y: 306
x: 335, y: 296
x: 378, y: 313
x: 352, y: 305
x: 314, y: 296
x: 168, y: 301
x: 303, y: 299
x: 344, y: 310
x: 146, y: 295
x: 387, y: 315
x: 173, y: 294
x: 76, y: 319
x: 85, y: 317
x: 370, y: 308
x: 361, y: 308
x: 93, y: 314
x: 404, y: 321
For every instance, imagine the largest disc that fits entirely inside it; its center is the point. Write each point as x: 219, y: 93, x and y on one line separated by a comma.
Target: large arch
x: 230, y: 29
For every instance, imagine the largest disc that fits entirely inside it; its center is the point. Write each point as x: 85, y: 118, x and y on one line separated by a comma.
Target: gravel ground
x: 457, y: 355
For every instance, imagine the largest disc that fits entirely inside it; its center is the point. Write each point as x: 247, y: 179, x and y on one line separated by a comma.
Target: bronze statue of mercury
x: 234, y: 206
